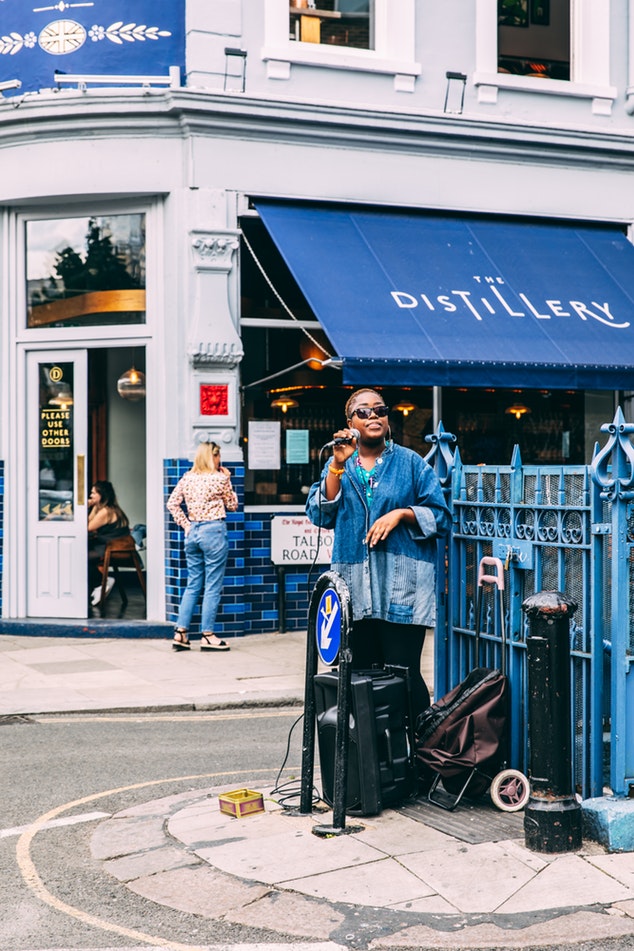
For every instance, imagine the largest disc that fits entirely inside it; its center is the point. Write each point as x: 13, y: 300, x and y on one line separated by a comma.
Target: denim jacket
x: 396, y: 580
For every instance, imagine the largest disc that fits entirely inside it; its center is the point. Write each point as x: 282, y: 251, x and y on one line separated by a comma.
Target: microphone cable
x: 319, y: 523
x: 291, y: 790
x: 328, y: 445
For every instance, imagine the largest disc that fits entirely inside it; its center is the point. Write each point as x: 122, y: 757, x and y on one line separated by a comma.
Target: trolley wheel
x: 510, y: 790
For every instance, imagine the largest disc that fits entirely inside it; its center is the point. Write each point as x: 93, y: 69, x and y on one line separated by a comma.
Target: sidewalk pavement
x: 410, y: 877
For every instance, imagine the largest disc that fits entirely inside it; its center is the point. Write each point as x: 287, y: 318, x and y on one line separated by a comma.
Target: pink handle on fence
x: 496, y: 579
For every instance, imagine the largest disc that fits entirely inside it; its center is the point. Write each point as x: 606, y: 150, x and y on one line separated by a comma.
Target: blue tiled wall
x: 261, y: 582
x: 249, y: 603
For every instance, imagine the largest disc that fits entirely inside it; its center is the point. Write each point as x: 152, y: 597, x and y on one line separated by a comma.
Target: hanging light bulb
x: 517, y: 410
x: 405, y: 407
x: 131, y: 385
x: 63, y: 396
x: 284, y: 403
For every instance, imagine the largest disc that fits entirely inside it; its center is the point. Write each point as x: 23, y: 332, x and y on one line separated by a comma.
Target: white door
x: 57, y: 430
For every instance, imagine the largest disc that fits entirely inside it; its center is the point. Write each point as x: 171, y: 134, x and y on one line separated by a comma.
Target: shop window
x: 547, y: 425
x: 333, y: 22
x: 534, y: 38
x: 85, y: 271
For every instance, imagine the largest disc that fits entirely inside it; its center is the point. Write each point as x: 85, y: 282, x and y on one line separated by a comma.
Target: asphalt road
x: 49, y: 761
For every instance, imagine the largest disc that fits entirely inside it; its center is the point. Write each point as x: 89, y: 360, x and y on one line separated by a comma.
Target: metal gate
x: 555, y: 528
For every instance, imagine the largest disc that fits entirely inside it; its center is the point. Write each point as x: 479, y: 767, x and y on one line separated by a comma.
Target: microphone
x: 343, y: 440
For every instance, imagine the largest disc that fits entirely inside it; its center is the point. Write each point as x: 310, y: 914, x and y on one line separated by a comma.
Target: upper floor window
x: 534, y: 38
x: 87, y: 271
x: 554, y: 47
x: 334, y: 22
x: 376, y: 36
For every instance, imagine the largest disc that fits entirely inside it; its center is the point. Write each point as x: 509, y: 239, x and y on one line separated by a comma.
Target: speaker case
x: 380, y: 766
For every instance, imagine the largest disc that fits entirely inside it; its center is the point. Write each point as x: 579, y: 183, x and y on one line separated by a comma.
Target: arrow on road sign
x: 326, y: 625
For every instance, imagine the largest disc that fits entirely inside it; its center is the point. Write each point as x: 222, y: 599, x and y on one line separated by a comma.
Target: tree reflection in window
x: 86, y: 271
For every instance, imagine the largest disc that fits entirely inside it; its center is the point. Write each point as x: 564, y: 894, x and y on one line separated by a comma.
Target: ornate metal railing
x: 556, y: 528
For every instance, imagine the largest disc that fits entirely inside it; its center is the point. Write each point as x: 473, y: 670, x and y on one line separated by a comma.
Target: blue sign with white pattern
x: 113, y: 37
x: 329, y: 626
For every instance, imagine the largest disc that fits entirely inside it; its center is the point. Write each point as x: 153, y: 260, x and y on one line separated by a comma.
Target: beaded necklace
x: 367, y: 477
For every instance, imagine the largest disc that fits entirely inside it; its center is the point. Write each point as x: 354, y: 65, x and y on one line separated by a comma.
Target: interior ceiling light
x: 405, y: 407
x: 63, y: 396
x: 517, y: 410
x: 131, y: 385
x: 284, y: 403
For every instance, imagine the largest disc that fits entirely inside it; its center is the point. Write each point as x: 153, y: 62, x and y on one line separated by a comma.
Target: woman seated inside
x: 106, y: 520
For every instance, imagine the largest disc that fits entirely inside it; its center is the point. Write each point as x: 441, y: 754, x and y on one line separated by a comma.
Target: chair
x: 120, y: 553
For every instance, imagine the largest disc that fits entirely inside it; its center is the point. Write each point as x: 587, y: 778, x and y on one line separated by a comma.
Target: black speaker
x: 380, y: 767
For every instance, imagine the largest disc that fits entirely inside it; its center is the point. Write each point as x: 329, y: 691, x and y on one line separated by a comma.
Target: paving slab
x: 289, y: 914
x: 126, y: 836
x: 381, y: 883
x: 395, y: 834
x: 568, y: 883
x: 619, y: 867
x: 200, y: 890
x: 456, y: 873
x: 164, y: 858
x: 287, y: 853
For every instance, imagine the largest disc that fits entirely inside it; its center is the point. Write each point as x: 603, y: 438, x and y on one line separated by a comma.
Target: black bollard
x: 552, y: 820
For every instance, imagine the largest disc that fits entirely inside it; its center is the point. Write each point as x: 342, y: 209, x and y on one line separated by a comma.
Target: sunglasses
x: 364, y: 412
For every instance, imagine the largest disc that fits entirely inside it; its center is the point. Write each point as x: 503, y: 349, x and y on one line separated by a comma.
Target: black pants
x: 96, y: 551
x: 376, y: 642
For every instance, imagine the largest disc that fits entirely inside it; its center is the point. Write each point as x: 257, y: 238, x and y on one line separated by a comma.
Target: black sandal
x: 180, y: 642
x: 206, y: 645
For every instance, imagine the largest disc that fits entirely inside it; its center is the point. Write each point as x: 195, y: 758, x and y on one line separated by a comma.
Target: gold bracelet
x: 337, y: 472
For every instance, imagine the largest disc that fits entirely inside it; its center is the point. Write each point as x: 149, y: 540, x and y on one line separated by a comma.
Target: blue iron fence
x: 555, y: 528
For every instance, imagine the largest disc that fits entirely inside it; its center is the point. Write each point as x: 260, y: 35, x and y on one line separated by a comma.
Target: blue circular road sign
x: 328, y: 630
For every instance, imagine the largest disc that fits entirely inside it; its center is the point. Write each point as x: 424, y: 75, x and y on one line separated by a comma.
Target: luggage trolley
x: 462, y: 737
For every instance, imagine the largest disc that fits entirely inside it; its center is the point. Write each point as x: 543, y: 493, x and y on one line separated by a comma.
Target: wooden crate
x: 241, y: 802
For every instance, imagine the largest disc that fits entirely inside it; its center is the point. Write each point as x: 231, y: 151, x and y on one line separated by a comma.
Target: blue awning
x: 421, y: 299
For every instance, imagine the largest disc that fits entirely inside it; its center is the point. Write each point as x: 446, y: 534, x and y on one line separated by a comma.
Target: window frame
x: 60, y: 335
x: 589, y: 58
x: 394, y: 51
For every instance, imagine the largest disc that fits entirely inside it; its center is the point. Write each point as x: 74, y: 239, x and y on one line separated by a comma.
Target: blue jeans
x: 206, y: 550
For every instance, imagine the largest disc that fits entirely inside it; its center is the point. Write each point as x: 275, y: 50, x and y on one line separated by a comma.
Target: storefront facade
x: 132, y: 237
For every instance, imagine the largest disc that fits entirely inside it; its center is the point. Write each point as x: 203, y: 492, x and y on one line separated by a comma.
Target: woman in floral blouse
x: 199, y: 504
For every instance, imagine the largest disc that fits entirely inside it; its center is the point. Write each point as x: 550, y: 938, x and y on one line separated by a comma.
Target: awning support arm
x: 335, y: 362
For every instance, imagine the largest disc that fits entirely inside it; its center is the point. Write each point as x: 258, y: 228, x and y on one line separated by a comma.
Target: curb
x: 205, y: 707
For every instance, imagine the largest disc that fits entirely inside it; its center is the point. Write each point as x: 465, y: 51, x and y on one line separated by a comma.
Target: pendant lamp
x: 131, y: 385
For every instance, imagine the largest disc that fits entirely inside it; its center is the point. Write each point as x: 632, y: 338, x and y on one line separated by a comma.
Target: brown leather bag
x: 463, y: 732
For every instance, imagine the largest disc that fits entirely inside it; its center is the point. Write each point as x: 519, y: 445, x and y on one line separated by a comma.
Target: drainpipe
x: 437, y: 394
x: 629, y: 92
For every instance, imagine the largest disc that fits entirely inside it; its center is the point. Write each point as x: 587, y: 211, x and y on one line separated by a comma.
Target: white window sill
x: 279, y: 60
x: 489, y: 83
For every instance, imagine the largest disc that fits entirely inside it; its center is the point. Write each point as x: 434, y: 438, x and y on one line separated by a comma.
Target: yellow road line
x: 35, y: 883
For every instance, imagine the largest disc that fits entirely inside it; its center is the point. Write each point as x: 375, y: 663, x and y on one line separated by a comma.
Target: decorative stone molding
x: 213, y: 339
x: 215, y: 251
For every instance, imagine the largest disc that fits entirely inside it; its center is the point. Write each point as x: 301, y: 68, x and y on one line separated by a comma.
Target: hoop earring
x: 389, y: 433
